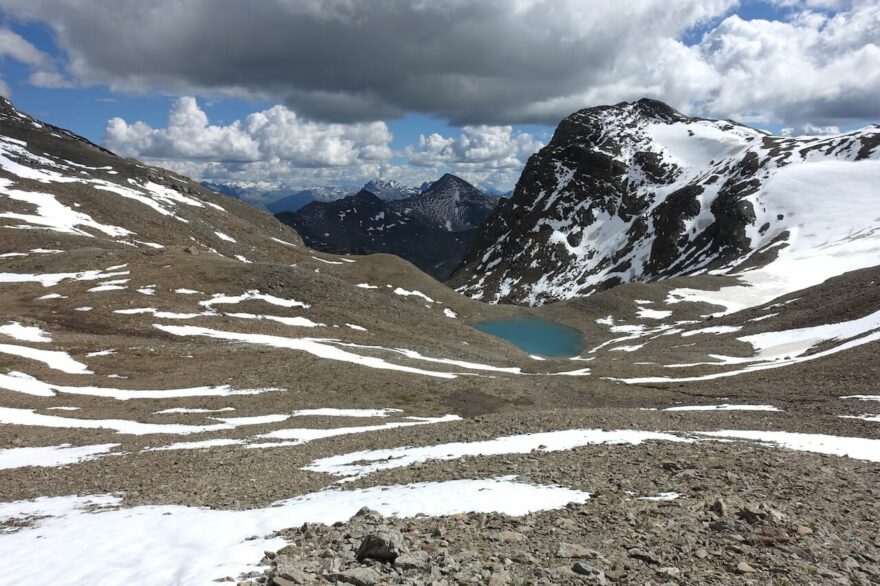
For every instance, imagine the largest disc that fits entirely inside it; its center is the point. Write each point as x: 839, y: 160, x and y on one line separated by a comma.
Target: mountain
x: 389, y: 190
x: 639, y: 192
x: 494, y: 191
x: 432, y: 229
x: 450, y: 203
x: 276, y: 198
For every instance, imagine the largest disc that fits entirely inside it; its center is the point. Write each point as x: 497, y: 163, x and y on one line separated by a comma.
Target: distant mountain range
x: 433, y: 228
x: 279, y: 199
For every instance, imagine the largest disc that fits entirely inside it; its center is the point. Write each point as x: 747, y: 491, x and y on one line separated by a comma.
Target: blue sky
x: 501, y: 100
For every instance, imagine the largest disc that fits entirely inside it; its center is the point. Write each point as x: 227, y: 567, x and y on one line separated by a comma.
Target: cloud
x: 820, y: 130
x: 476, y: 146
x: 815, y: 68
x: 489, y: 62
x: 276, y: 135
x: 275, y: 146
x: 14, y: 46
x: 492, y: 62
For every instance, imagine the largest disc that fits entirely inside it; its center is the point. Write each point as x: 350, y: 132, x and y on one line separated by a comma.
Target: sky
x: 303, y: 93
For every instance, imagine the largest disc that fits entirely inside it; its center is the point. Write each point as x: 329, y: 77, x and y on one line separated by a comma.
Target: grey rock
x: 382, y: 546
x: 644, y: 556
x: 415, y: 560
x: 593, y: 575
x: 358, y: 577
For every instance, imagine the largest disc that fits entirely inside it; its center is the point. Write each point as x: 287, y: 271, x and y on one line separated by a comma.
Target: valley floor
x: 187, y: 432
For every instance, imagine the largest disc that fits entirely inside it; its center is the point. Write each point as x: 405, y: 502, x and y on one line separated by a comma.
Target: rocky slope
x: 185, y: 386
x: 432, y: 229
x: 450, y: 204
x: 639, y: 192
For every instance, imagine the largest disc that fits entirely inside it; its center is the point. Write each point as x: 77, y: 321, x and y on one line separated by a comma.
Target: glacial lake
x: 535, y: 336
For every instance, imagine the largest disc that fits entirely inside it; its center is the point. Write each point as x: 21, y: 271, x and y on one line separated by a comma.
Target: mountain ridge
x: 640, y: 192
x: 432, y: 229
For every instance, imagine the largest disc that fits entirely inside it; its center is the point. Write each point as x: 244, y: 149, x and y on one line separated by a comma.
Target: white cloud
x: 820, y: 130
x: 276, y: 135
x: 814, y: 68
x: 477, y: 146
x: 275, y: 146
x: 14, y: 46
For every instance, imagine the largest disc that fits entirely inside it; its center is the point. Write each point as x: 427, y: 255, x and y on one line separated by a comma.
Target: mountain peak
x: 640, y: 192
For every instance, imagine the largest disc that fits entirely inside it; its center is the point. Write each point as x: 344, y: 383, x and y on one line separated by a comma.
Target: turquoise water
x: 535, y: 336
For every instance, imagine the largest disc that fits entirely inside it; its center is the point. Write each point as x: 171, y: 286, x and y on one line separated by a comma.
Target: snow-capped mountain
x: 389, y: 190
x: 432, y: 229
x: 641, y: 192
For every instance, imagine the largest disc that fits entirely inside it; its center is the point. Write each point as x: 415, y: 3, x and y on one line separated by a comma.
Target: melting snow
x: 252, y: 295
x: 49, y: 456
x: 359, y: 464
x: 56, y: 359
x: 405, y: 293
x: 24, y: 333
x: 172, y: 544
x: 723, y: 407
x: 24, y: 383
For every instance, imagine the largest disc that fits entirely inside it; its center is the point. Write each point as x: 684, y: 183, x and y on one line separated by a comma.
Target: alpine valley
x: 194, y: 392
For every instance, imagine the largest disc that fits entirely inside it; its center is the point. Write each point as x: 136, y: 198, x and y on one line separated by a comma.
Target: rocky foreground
x: 729, y: 530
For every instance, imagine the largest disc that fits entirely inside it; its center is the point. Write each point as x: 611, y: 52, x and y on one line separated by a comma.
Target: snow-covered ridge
x: 640, y: 192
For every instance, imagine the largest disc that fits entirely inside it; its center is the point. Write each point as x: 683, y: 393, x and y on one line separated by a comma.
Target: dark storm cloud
x: 492, y: 61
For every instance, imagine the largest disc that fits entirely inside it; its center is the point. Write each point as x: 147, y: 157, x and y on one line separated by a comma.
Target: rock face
x: 641, y: 192
x: 450, y: 204
x: 432, y: 229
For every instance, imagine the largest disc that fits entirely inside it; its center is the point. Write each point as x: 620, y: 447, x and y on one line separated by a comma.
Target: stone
x: 509, y: 537
x: 669, y: 573
x: 291, y: 570
x: 359, y: 577
x: 572, y: 550
x: 593, y: 575
x: 416, y: 560
x: 644, y: 556
x: 744, y: 568
x: 382, y: 546
x: 701, y: 553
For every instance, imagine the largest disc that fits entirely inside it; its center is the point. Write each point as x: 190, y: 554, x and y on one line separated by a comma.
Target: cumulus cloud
x: 277, y: 146
x: 814, y: 68
x: 276, y: 135
x: 476, y: 146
